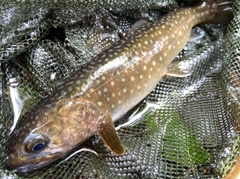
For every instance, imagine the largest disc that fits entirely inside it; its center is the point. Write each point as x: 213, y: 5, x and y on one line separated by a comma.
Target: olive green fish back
x: 185, y: 128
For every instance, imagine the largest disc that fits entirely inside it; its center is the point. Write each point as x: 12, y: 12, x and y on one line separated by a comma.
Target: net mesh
x: 185, y: 128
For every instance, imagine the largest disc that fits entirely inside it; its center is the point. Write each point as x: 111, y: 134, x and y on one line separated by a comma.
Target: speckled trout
x: 91, y: 99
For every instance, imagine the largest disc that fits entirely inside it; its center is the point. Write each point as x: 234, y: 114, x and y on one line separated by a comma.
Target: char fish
x: 91, y: 99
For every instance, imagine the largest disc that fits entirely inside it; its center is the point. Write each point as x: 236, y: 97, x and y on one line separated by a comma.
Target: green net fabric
x: 185, y: 128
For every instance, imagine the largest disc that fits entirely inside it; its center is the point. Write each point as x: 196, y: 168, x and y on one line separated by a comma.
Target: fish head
x: 50, y: 132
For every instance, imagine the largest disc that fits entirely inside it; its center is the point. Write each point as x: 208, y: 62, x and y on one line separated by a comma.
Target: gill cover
x: 57, y: 130
x: 67, y: 124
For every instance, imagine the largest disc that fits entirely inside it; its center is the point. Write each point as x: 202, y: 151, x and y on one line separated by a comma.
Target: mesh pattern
x: 231, y: 70
x: 186, y: 128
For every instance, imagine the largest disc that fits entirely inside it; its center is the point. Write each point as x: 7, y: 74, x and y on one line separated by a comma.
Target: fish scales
x: 136, y: 64
x: 96, y: 95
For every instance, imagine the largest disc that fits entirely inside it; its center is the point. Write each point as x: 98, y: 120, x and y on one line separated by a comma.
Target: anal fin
x: 179, y: 69
x: 196, y: 33
x: 109, y: 135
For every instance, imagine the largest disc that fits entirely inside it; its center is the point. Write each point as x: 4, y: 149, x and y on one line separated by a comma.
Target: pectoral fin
x: 178, y: 69
x: 109, y: 135
x: 136, y: 25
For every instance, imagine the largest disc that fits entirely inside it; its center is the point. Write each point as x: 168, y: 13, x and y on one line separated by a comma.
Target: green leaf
x: 181, y: 145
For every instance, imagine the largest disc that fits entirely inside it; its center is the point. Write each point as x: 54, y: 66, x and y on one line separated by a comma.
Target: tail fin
x: 220, y: 11
x: 223, y: 11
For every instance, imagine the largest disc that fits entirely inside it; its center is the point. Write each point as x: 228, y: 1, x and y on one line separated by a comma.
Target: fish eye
x: 35, y: 143
x: 37, y: 146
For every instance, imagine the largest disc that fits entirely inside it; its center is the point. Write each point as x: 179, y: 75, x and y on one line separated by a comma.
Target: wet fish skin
x: 96, y: 95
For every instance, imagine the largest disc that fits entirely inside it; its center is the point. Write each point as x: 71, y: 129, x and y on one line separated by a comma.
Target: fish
x: 96, y: 95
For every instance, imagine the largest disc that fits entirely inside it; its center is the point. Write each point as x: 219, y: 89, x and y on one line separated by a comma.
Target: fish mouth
x: 30, y: 167
x: 30, y: 163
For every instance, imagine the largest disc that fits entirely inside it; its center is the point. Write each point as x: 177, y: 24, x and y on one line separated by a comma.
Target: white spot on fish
x: 136, y: 52
x: 78, y: 82
x: 98, y: 81
x: 150, y: 53
x: 99, y: 103
x: 132, y: 78
x: 117, y: 46
x: 103, y: 55
x: 82, y: 75
x: 112, y: 83
x: 124, y: 90
x: 91, y: 67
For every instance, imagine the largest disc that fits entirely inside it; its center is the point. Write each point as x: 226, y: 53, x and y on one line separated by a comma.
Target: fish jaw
x: 29, y: 163
x: 66, y: 126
